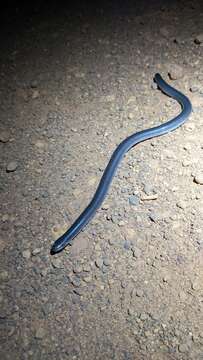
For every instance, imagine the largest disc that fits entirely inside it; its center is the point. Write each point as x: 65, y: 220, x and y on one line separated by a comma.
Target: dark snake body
x: 116, y: 158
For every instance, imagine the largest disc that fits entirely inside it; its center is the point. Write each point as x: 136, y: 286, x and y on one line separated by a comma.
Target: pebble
x: 143, y: 316
x: 186, y: 163
x: 4, y: 136
x: 35, y: 94
x: 183, y: 348
x: 106, y: 262
x: 99, y: 263
x: 12, y: 166
x: 139, y: 293
x: 36, y: 251
x: 194, y: 88
x: 76, y: 282
x: 175, y: 72
x: 77, y: 269
x: 181, y: 204
x: 199, y: 39
x: 198, y: 179
x: 40, y: 333
x: 127, y: 245
x: 136, y: 252
x: 133, y: 200
x: 4, y: 275
x: 56, y: 263
x: 87, y: 279
x: 26, y: 254
x: 130, y: 116
x: 86, y: 268
x: 154, y: 86
x: 2, y: 244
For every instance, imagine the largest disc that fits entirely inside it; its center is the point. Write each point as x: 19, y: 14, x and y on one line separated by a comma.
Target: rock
x: 198, y: 179
x: 175, y: 72
x: 87, y: 279
x: 5, y: 217
x: 86, y: 268
x: 2, y: 244
x: 4, y: 136
x: 186, y: 163
x: 199, y: 39
x: 57, y: 264
x: 40, y: 333
x: 99, y: 263
x: 36, y: 251
x: 35, y: 94
x: 181, y: 204
x: 133, y: 200
x: 139, y: 293
x: 77, y: 269
x: 4, y: 276
x: 130, y: 116
x: 106, y: 262
x: 26, y: 254
x: 154, y: 86
x: 143, y: 316
x: 194, y: 88
x: 12, y: 166
x: 34, y: 84
x: 76, y: 282
x: 127, y: 245
x: 183, y: 348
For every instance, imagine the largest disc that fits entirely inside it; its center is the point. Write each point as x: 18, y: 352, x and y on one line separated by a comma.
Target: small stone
x: 154, y: 86
x: 26, y: 254
x: 2, y: 244
x: 35, y: 94
x: 34, y: 84
x: 36, y: 251
x: 4, y: 275
x: 196, y: 285
x: 127, y: 245
x: 175, y: 72
x: 40, y: 144
x: 12, y: 166
x: 99, y: 263
x: 121, y: 223
x: 40, y: 333
x: 136, y: 252
x: 4, y: 136
x: 143, y: 316
x: 133, y: 200
x: 79, y: 291
x: 183, y: 348
x: 165, y: 279
x: 131, y: 312
x: 77, y: 269
x: 181, y: 204
x: 106, y: 262
x: 86, y: 268
x: 199, y: 39
x: 194, y: 88
x: 139, y: 293
x: 186, y: 163
x: 87, y: 279
x: 5, y: 217
x: 57, y: 264
x: 198, y: 179
x: 130, y: 116
x: 76, y: 282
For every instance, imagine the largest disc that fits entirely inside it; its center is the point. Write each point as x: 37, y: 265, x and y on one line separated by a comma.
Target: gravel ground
x: 73, y: 84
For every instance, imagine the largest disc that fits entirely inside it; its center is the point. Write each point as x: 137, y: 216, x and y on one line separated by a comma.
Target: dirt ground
x: 74, y: 82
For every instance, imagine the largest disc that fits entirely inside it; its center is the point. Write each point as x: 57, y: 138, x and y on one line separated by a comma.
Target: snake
x: 118, y: 155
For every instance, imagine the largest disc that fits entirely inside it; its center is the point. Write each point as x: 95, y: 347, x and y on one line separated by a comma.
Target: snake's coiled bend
x: 116, y: 158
